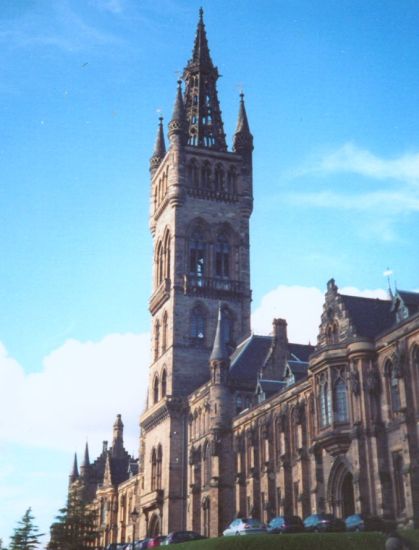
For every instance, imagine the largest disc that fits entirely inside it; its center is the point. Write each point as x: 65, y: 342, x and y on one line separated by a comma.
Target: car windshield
x: 252, y: 522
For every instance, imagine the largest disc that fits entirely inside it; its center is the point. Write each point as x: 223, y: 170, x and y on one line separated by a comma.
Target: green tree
x: 75, y: 526
x: 26, y: 535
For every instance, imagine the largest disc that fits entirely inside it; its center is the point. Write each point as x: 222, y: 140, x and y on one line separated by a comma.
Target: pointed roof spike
x: 159, y: 147
x: 75, y: 470
x: 200, y: 53
x: 243, y: 139
x: 219, y: 349
x: 86, y: 459
x: 177, y: 125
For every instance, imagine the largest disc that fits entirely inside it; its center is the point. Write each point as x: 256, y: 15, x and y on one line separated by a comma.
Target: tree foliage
x: 75, y: 526
x: 26, y: 535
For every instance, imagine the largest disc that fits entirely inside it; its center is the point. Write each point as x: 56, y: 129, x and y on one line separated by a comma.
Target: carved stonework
x: 354, y: 380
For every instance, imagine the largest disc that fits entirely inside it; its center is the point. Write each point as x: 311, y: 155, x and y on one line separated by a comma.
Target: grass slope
x: 304, y: 541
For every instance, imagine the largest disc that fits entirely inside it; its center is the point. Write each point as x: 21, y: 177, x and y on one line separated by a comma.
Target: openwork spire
x: 159, y: 148
x: 203, y: 115
x: 243, y: 139
x: 219, y: 349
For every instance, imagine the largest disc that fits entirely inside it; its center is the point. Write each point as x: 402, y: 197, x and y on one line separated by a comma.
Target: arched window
x: 393, y: 387
x: 159, y: 264
x: 193, y: 173
x: 222, y: 257
x: 206, y: 175
x: 332, y: 334
x: 207, y: 463
x: 198, y: 325
x: 325, y: 402
x: 398, y: 481
x: 197, y: 254
x: 166, y: 259
x: 163, y: 383
x: 231, y: 180
x: 159, y: 459
x: 153, y: 469
x: 156, y: 340
x: 219, y: 178
x: 156, y: 389
x: 341, y: 401
x: 164, y: 335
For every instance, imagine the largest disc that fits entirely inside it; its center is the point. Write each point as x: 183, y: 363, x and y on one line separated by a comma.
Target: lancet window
x: 340, y: 400
x: 198, y: 324
x: 393, y: 387
x: 325, y: 401
x: 197, y: 254
x: 222, y: 257
x: 164, y: 383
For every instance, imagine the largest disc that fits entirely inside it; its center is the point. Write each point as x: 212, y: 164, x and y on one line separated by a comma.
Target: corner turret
x: 85, y: 467
x: 243, y: 139
x: 74, y: 476
x: 177, y: 125
x: 159, y: 148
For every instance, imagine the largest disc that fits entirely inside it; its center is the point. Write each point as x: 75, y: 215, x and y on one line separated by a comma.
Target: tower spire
x: 205, y: 126
x: 159, y: 148
x: 243, y: 139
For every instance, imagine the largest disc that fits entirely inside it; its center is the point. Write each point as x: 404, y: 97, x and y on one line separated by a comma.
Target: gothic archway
x: 340, y: 489
x: 154, y: 526
x: 347, y: 496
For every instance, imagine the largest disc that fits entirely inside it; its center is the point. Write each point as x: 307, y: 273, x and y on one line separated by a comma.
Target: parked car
x: 285, y: 524
x: 153, y: 542
x: 182, y: 536
x: 361, y: 522
x: 245, y: 526
x: 323, y: 522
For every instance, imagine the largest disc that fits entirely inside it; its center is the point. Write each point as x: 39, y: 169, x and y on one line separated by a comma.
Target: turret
x: 177, y: 124
x: 85, y: 467
x: 243, y: 139
x: 118, y: 436
x: 159, y: 149
x: 74, y: 476
x: 220, y: 395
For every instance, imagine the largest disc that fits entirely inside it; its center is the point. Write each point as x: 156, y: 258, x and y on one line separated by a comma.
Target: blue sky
x: 331, y: 91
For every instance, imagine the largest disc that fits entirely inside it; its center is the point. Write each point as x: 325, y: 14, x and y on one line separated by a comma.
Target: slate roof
x: 298, y: 369
x: 410, y: 300
x: 250, y: 355
x: 270, y: 387
x: 370, y: 316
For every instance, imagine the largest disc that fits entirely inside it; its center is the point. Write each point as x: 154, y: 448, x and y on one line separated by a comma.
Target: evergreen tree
x: 75, y: 526
x: 26, y: 535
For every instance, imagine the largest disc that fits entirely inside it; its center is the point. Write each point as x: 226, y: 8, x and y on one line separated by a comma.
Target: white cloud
x: 301, y: 307
x: 351, y: 158
x: 81, y: 388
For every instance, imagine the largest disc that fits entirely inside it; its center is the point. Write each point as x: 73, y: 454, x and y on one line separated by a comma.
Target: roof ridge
x: 383, y: 300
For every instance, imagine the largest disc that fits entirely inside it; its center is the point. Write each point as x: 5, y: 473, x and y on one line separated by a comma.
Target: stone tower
x: 201, y: 201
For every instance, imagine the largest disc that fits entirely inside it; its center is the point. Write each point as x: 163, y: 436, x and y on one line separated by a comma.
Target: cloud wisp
x: 381, y: 209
